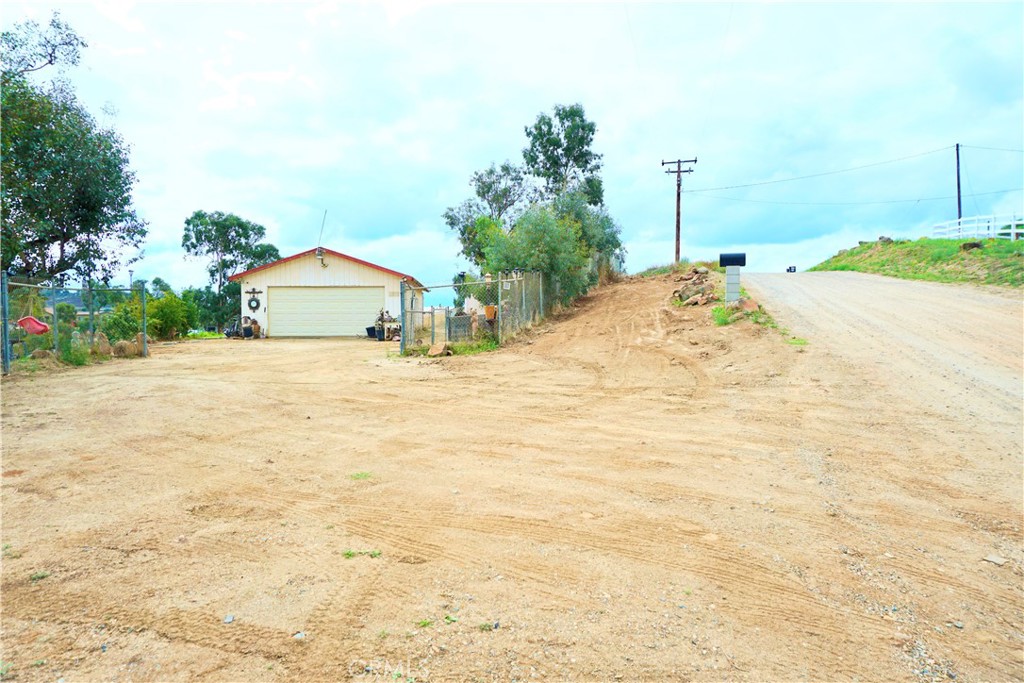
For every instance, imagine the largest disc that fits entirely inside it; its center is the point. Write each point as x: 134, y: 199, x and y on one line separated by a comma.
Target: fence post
x: 401, y: 339
x: 6, y: 322
x: 541, y: 278
x: 142, y: 293
x: 92, y: 326
x: 53, y: 298
x: 433, y: 323
x: 498, y: 316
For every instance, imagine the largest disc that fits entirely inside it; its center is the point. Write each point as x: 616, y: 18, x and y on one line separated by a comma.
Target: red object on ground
x: 33, y: 325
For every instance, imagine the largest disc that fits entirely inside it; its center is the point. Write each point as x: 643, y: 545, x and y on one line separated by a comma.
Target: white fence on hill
x: 1006, y: 227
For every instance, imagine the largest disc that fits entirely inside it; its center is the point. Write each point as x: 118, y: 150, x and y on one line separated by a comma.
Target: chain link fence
x: 72, y: 325
x: 492, y: 309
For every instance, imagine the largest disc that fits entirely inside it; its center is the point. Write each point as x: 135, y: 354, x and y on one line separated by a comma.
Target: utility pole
x: 679, y: 171
x: 959, y: 209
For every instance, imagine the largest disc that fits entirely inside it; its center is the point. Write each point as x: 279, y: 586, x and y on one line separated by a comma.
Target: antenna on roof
x: 322, y: 224
x: 320, y: 249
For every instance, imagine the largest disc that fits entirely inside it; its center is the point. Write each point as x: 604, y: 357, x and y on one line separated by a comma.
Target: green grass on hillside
x: 683, y: 266
x: 999, y: 262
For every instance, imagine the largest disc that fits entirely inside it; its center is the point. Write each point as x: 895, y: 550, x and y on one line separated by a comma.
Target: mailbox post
x: 732, y: 263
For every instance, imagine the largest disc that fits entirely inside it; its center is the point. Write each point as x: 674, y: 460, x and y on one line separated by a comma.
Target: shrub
x: 167, y: 317
x: 543, y: 242
x: 70, y: 353
x: 67, y: 314
x: 123, y: 323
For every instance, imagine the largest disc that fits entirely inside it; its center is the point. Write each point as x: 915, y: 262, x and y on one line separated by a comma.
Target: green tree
x: 501, y: 193
x: 542, y: 241
x: 229, y: 242
x: 66, y: 182
x: 167, y: 317
x: 559, y: 152
x: 501, y: 189
x: 160, y: 287
x: 204, y: 304
x: 28, y: 48
x: 67, y: 314
x: 27, y: 301
x: 462, y: 220
x: 97, y: 297
x: 228, y: 303
x: 124, y: 322
x: 599, y: 232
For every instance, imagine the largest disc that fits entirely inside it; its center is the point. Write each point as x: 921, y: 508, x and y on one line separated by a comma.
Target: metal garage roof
x: 410, y: 278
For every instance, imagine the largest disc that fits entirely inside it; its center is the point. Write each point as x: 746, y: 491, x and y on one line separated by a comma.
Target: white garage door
x: 322, y: 311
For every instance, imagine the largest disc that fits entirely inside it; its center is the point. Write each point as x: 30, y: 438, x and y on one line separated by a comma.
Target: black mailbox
x: 732, y: 260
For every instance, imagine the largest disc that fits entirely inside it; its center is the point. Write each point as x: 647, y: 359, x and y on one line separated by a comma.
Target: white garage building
x: 322, y: 293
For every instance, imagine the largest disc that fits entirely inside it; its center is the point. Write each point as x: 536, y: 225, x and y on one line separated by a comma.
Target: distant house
x: 322, y: 293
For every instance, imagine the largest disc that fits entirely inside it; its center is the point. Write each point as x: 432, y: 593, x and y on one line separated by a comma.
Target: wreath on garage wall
x: 254, y: 301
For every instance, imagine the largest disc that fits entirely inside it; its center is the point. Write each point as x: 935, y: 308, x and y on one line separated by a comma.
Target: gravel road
x: 951, y: 349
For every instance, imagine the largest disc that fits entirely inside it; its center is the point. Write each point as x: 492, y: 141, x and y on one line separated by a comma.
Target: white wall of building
x: 307, y: 271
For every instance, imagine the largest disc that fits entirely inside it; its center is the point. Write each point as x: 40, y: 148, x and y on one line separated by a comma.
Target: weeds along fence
x: 492, y: 309
x: 67, y: 321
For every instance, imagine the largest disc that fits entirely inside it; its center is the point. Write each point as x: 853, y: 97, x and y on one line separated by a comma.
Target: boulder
x: 441, y: 349
x: 702, y: 299
x: 884, y: 240
x: 701, y: 271
x: 690, y: 290
x: 748, y: 305
x: 967, y: 246
x: 124, y: 349
x: 101, y: 345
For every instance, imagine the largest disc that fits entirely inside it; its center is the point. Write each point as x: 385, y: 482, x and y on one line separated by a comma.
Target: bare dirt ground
x: 630, y: 493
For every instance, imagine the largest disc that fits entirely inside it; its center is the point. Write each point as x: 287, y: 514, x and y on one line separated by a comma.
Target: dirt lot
x: 630, y: 494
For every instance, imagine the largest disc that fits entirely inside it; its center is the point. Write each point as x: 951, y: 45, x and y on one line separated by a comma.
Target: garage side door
x: 322, y: 311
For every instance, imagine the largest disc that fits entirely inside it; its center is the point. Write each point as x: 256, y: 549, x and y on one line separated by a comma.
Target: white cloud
x: 121, y: 14
x: 380, y: 113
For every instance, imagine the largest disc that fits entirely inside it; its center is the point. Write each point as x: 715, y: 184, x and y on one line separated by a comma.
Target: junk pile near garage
x: 386, y: 327
x: 244, y: 328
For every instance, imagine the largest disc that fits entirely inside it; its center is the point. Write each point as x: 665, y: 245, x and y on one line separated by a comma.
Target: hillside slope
x: 997, y: 262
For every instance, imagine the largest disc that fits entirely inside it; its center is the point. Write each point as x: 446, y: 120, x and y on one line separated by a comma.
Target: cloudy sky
x: 379, y: 113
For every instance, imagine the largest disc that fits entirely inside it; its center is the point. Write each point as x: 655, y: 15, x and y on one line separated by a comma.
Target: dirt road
x: 953, y: 352
x: 631, y: 493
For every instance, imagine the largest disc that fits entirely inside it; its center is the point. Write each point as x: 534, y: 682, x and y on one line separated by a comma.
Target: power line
x: 887, y: 201
x: 824, y: 173
x: 993, y: 149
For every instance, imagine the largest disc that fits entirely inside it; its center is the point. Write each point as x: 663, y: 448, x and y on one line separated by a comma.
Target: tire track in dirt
x: 412, y: 523
x: 57, y: 606
x: 405, y: 529
x: 765, y: 592
x: 335, y: 626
